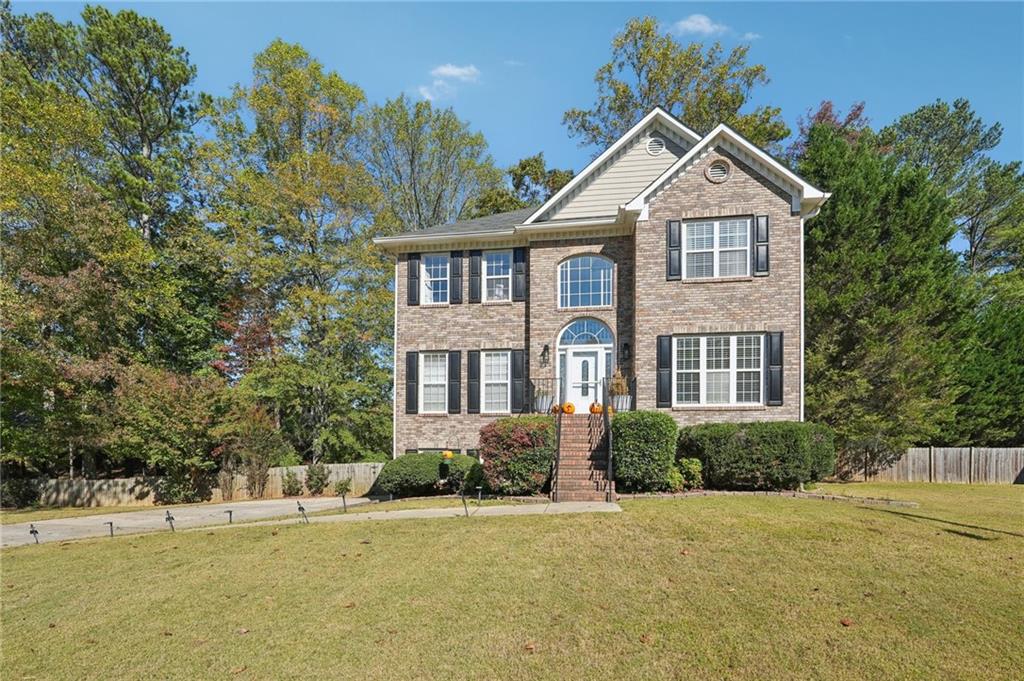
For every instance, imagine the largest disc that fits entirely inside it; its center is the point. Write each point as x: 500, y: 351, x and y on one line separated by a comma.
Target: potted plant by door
x: 542, y: 400
x: 619, y: 391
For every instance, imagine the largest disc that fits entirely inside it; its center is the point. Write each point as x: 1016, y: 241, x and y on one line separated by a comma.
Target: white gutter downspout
x: 803, y: 338
x: 394, y: 371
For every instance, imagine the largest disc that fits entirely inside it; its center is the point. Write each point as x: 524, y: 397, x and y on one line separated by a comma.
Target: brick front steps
x: 583, y: 460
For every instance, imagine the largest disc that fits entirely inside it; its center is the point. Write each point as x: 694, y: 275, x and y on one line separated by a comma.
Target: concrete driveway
x: 152, y: 519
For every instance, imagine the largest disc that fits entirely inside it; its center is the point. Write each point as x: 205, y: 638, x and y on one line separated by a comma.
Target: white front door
x: 585, y: 370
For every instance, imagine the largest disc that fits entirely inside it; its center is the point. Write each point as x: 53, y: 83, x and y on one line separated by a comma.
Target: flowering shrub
x: 517, y: 453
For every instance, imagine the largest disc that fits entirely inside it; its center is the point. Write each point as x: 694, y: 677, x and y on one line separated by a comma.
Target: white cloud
x: 698, y: 24
x: 439, y: 89
x: 467, y: 74
x: 750, y: 35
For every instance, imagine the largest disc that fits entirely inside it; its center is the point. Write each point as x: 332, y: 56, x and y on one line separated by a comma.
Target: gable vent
x: 718, y: 171
x: 655, y: 145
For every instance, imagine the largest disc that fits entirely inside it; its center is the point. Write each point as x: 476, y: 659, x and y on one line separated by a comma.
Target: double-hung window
x: 434, y: 382
x: 718, y: 370
x: 435, y: 279
x: 717, y: 248
x: 497, y: 275
x: 496, y: 382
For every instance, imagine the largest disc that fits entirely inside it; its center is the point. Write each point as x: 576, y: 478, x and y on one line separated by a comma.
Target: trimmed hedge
x: 418, y: 475
x: 759, y: 456
x: 644, y: 445
x: 517, y: 452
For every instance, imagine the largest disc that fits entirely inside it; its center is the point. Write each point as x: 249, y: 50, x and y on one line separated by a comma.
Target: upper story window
x: 435, y: 279
x: 723, y: 370
x: 497, y: 275
x: 585, y: 281
x: 717, y: 248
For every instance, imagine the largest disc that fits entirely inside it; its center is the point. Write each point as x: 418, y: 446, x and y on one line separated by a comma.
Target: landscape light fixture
x: 302, y: 511
x: 110, y: 524
x: 231, y: 515
x: 33, y: 531
x: 169, y: 519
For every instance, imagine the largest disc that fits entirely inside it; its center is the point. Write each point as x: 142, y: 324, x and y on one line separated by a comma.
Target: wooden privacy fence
x: 363, y: 475
x: 981, y: 465
x: 139, y: 491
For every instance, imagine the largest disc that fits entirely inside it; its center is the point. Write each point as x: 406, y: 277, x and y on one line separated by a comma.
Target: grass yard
x: 717, y: 587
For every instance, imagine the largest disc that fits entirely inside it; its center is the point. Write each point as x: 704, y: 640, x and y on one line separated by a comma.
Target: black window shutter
x: 761, y: 245
x: 454, y: 381
x: 674, y: 250
x: 455, y: 278
x: 413, y: 264
x: 412, y: 384
x: 519, y: 274
x: 664, y: 371
x: 518, y: 371
x: 474, y: 276
x: 773, y: 377
x: 473, y: 382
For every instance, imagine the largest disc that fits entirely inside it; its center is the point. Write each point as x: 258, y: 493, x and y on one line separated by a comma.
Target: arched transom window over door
x: 584, y: 361
x: 585, y: 281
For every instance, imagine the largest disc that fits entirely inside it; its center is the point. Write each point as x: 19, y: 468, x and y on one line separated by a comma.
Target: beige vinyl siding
x: 624, y: 177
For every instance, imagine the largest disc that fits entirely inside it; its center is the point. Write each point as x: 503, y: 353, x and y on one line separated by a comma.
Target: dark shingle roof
x: 490, y: 223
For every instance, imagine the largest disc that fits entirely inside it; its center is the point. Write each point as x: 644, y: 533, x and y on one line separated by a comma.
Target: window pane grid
x: 435, y: 278
x: 434, y: 382
x: 497, y: 275
x: 496, y: 382
x: 717, y: 249
x: 585, y: 281
x: 718, y: 370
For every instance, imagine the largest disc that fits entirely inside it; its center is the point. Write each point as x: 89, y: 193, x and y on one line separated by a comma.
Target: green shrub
x: 343, y: 487
x: 317, y: 477
x: 691, y: 471
x: 374, y: 457
x: 517, y: 454
x: 675, y: 482
x: 416, y: 475
x: 18, y: 492
x: 644, y: 446
x: 765, y: 455
x: 290, y: 485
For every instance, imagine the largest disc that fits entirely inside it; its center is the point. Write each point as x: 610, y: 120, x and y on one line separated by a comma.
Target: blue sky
x: 511, y: 70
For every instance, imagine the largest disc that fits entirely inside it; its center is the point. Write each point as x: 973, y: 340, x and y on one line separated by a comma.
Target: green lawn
x: 716, y: 587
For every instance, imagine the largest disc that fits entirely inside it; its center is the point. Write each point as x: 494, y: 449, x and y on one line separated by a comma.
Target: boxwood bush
x: 759, y: 456
x: 417, y: 475
x: 644, y: 447
x: 517, y: 454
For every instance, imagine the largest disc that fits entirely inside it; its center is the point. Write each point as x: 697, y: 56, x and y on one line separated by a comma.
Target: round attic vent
x: 655, y: 145
x: 718, y: 171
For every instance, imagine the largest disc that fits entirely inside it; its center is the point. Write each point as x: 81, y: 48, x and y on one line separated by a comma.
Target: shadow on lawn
x: 971, y: 535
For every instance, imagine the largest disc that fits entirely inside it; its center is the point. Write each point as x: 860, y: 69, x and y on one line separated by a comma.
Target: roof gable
x: 805, y: 197
x: 620, y: 171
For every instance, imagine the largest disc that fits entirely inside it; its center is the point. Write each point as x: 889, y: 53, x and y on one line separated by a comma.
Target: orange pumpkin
x: 568, y: 408
x: 595, y: 408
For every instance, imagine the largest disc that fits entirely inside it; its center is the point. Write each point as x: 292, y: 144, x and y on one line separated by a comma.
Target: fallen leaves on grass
x: 241, y: 630
x: 846, y: 622
x: 530, y: 647
x: 239, y: 670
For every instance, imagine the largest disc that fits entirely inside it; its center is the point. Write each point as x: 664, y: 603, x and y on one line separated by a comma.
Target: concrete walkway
x: 453, y: 512
x: 152, y: 519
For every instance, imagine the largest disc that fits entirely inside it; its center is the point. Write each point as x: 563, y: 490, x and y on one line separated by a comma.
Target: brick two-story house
x: 672, y: 257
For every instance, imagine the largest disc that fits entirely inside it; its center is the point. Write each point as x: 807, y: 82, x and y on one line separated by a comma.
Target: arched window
x: 586, y: 332
x: 585, y: 281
